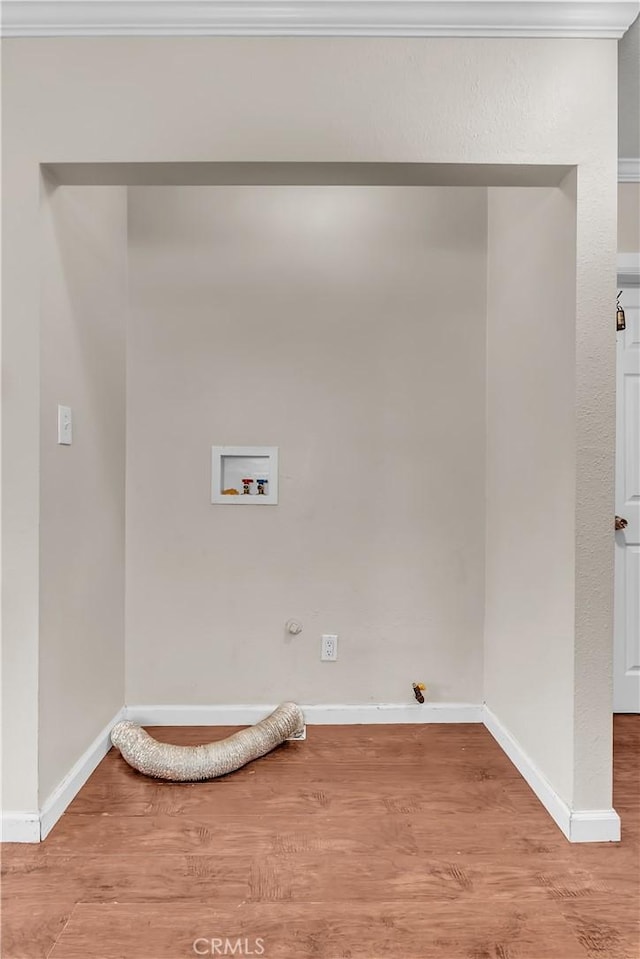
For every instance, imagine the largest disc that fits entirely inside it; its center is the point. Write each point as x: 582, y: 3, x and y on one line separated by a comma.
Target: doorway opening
x: 404, y: 335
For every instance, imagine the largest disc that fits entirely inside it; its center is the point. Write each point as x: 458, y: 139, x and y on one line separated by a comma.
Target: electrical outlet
x: 329, y: 648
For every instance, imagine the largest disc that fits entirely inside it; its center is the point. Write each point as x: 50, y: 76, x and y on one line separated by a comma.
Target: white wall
x: 346, y: 326
x: 530, y: 547
x: 469, y: 101
x: 81, y: 672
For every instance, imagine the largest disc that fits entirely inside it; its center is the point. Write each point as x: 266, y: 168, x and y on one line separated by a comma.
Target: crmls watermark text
x: 228, y: 947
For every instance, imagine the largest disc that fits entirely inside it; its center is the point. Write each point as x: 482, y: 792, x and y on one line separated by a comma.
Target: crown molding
x: 319, y: 18
x: 629, y: 170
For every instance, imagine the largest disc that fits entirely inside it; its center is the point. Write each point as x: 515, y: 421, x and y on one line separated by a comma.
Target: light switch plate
x: 65, y: 426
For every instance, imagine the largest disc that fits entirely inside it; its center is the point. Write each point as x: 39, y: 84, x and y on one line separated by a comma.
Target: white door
x: 626, y: 659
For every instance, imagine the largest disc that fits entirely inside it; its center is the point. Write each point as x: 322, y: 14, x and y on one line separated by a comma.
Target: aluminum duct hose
x: 192, y: 763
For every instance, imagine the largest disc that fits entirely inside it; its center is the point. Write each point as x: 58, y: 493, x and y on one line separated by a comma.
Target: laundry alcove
x: 404, y: 335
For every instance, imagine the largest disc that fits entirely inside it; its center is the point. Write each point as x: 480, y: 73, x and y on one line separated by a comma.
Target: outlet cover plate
x: 329, y: 648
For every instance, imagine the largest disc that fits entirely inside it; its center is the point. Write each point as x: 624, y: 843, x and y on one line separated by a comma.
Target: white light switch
x: 64, y: 426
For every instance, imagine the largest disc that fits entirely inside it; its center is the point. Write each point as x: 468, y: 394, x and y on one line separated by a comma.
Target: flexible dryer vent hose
x: 193, y: 763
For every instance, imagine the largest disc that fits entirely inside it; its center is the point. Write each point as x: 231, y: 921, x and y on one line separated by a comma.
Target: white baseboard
x: 589, y: 825
x: 315, y: 715
x: 595, y: 825
x: 378, y: 713
x: 33, y: 827
x: 59, y: 799
x: 20, y: 827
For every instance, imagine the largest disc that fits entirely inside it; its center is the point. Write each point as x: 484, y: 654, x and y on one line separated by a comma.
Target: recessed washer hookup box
x: 244, y: 475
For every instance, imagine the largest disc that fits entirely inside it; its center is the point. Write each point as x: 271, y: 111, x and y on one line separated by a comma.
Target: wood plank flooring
x: 363, y: 842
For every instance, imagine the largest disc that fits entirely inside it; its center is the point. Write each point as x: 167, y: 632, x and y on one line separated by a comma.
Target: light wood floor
x: 368, y: 842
